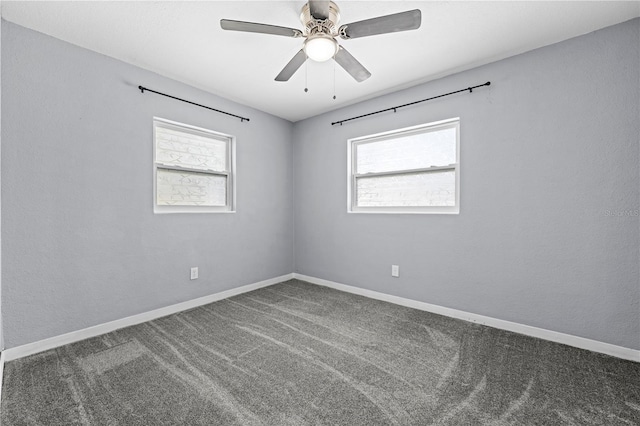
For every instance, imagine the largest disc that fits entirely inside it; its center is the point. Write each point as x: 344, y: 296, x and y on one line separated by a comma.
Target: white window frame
x: 230, y: 174
x: 352, y: 177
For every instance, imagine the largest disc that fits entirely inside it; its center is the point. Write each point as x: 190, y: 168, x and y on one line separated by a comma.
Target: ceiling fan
x: 320, y: 19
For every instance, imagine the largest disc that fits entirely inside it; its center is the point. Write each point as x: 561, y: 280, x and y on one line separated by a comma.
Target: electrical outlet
x: 395, y: 271
x: 194, y: 273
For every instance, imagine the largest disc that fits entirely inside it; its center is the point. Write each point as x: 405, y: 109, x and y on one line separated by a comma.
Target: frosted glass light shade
x: 320, y: 48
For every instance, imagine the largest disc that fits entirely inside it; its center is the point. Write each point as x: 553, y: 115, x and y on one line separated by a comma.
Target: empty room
x: 320, y: 213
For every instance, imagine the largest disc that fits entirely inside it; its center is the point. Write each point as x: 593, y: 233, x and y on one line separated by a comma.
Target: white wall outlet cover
x: 194, y: 273
x: 395, y: 270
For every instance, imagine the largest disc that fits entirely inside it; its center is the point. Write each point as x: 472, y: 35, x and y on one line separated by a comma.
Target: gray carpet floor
x: 300, y: 354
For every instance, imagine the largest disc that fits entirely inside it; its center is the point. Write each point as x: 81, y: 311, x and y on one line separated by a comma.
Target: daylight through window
x: 413, y: 170
x: 193, y: 169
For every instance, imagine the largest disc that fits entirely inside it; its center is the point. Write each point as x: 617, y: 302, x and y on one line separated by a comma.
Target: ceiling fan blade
x: 252, y: 27
x: 351, y: 65
x: 403, y: 21
x: 292, y: 66
x: 319, y: 9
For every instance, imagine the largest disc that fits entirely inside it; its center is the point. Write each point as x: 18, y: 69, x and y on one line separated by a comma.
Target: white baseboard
x: 75, y: 336
x: 1, y: 372
x: 554, y: 336
x: 541, y: 333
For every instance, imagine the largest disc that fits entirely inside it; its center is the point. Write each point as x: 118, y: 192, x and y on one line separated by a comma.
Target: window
x: 193, y: 169
x: 412, y: 170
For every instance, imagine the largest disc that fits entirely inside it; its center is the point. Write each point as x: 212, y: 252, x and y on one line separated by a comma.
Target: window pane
x: 409, y: 190
x: 416, y: 151
x: 190, y: 189
x: 176, y: 148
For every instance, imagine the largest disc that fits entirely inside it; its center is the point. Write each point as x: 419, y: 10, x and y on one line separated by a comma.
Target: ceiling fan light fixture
x: 320, y: 47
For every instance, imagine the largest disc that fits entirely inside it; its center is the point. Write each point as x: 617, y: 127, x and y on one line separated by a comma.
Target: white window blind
x: 414, y: 170
x: 193, y: 169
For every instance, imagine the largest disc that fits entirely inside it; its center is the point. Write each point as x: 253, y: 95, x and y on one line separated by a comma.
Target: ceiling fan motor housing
x: 327, y: 26
x: 320, y: 44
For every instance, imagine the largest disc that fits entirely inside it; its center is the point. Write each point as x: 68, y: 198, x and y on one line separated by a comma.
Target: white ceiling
x: 183, y: 40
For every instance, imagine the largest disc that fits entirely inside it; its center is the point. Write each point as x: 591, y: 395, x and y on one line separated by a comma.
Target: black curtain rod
x: 142, y: 89
x: 470, y: 89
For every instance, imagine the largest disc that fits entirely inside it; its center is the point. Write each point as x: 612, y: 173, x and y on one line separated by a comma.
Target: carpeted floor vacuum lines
x: 301, y: 354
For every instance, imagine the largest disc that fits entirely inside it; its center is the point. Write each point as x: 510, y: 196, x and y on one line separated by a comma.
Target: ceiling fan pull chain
x: 334, y: 80
x: 306, y: 75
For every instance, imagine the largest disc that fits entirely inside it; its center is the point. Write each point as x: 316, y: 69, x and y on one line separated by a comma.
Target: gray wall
x: 548, y: 153
x: 1, y: 333
x: 81, y: 245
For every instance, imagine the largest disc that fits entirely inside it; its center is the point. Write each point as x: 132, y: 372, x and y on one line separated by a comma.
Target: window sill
x: 446, y: 210
x: 190, y: 211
